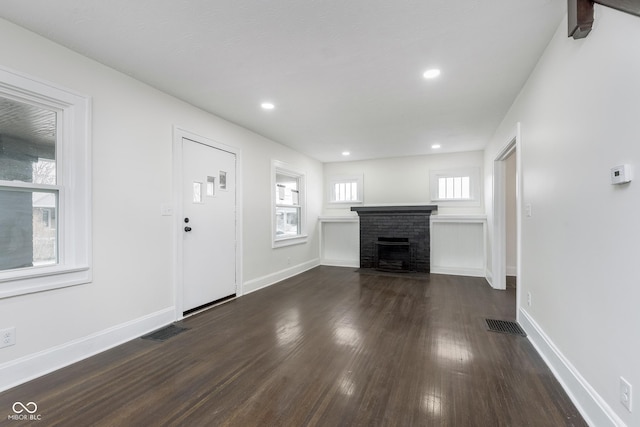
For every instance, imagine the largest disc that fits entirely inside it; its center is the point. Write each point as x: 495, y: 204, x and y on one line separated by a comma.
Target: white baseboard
x: 273, y: 278
x: 27, y: 368
x: 593, y: 408
x: 489, y: 276
x: 512, y: 270
x: 354, y: 263
x: 458, y: 271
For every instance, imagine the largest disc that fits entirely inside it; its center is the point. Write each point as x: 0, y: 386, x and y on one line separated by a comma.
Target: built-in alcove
x: 395, y: 238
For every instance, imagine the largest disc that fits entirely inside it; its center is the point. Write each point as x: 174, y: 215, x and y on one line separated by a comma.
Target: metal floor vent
x: 164, y: 333
x: 505, y: 327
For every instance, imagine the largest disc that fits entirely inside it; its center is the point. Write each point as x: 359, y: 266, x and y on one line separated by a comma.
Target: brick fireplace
x: 395, y: 238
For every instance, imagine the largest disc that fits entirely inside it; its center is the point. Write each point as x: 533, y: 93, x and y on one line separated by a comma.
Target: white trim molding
x: 498, y: 277
x: 19, y: 371
x: 273, y: 278
x: 591, y: 405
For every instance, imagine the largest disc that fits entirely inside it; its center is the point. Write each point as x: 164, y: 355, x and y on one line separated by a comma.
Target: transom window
x: 460, y: 185
x: 454, y: 188
x: 345, y: 189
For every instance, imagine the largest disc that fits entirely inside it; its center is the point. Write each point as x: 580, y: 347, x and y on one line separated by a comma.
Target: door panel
x: 209, y: 204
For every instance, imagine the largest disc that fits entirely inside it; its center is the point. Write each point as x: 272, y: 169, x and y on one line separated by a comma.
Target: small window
x: 211, y: 186
x: 345, y: 189
x: 197, y: 192
x: 454, y: 188
x: 455, y: 185
x: 222, y: 180
x: 289, y: 206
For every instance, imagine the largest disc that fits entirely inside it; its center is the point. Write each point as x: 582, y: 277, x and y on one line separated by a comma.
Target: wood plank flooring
x: 329, y: 347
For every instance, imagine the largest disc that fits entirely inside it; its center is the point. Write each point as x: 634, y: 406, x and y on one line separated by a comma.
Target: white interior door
x: 209, y: 224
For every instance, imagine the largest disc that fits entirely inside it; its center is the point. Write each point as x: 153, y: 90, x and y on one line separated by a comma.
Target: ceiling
x: 344, y: 75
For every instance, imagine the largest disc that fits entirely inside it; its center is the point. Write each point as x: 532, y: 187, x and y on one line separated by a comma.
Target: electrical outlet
x: 7, y: 337
x: 625, y: 394
x: 529, y: 299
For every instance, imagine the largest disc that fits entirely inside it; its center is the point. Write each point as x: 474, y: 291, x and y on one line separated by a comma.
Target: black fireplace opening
x: 392, y: 254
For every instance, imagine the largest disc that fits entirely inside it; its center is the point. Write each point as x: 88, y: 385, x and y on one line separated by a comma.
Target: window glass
x: 454, y: 187
x: 27, y: 143
x: 211, y: 186
x: 28, y: 228
x: 287, y: 192
x: 287, y: 206
x: 345, y: 191
x: 287, y: 221
x: 197, y: 192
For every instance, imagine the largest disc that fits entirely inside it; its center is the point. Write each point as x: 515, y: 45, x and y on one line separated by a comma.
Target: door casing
x: 498, y: 247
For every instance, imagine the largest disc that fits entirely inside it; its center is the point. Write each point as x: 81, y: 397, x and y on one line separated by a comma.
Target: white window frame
x: 344, y: 179
x: 73, y: 157
x: 474, y: 186
x: 281, y: 168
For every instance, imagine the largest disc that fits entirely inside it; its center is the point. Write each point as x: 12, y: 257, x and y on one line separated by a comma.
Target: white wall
x: 579, y: 117
x: 405, y: 180
x: 132, y: 243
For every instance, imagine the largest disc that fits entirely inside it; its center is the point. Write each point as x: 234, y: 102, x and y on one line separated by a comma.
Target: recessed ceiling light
x: 435, y: 146
x: 432, y: 73
x: 346, y: 153
x: 267, y: 106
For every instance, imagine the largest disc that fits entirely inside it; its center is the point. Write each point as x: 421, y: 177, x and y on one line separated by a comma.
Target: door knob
x: 186, y: 220
x: 187, y: 229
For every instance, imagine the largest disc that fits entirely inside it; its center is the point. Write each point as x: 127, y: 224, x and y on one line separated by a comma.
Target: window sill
x: 344, y: 204
x: 289, y: 241
x: 457, y: 202
x: 28, y: 281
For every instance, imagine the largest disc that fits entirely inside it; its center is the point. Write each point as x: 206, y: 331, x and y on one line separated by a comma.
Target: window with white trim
x: 460, y: 185
x: 345, y: 189
x: 44, y: 186
x: 288, y: 195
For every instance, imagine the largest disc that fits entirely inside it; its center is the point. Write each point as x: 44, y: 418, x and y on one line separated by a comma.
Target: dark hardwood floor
x: 330, y: 347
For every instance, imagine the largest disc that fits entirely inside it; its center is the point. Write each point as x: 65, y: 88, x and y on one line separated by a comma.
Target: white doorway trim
x: 498, y: 252
x: 178, y: 134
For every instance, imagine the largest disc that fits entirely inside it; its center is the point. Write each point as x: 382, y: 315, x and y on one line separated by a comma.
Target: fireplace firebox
x: 393, y: 254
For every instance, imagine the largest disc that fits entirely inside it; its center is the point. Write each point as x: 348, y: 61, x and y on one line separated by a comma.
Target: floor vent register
x: 505, y: 327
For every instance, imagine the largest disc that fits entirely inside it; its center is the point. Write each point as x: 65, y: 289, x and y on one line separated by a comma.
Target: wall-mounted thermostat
x: 620, y: 174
